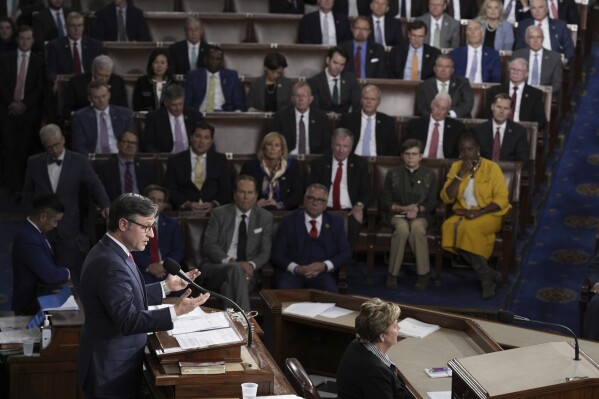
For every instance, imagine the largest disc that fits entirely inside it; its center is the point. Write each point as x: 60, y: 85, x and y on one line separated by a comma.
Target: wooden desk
x: 319, y: 342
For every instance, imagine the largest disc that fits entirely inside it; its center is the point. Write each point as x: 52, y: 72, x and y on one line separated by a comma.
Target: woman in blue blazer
x: 499, y: 33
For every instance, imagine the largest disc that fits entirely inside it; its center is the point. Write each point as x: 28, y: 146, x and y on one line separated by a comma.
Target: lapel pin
x: 326, y: 226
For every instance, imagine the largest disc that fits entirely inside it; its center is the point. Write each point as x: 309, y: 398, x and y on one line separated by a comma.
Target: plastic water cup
x: 28, y: 346
x: 249, y: 390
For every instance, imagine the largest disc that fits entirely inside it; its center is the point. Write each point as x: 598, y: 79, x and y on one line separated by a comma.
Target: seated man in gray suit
x: 236, y: 244
x: 442, y: 30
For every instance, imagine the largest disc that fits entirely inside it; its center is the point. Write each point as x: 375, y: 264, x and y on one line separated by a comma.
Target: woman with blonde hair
x: 499, y: 33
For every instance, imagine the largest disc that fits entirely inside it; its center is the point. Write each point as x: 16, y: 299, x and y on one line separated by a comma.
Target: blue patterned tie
x: 534, y: 80
x: 367, y: 138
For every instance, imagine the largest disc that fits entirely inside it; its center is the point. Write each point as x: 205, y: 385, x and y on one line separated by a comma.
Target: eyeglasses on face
x: 315, y: 199
x: 146, y: 228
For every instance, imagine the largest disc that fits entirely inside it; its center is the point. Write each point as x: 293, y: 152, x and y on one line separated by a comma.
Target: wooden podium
x: 546, y: 371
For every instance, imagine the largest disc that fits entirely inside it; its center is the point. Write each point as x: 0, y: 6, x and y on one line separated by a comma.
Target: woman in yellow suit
x: 476, y: 188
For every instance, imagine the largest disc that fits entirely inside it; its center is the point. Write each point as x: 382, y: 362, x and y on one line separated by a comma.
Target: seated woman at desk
x: 365, y: 370
x: 476, y: 189
x: 147, y: 93
x: 271, y: 92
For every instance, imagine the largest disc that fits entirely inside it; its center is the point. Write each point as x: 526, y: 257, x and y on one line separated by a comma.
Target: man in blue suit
x: 122, y: 22
x: 475, y: 61
x: 310, y: 245
x: 116, y: 300
x: 213, y: 88
x: 98, y: 127
x: 166, y: 243
x: 365, y: 57
x: 555, y: 31
x: 35, y: 271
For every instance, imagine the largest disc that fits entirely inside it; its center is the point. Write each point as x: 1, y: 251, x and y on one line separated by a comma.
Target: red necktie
x: 154, y: 251
x: 313, y: 230
x: 128, y: 178
x: 514, y: 98
x: 337, y: 187
x: 554, y: 10
x: 358, y: 62
x: 76, y: 60
x: 496, y: 146
x: 432, y: 151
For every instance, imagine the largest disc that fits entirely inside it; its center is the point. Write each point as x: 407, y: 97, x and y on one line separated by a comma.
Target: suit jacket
x: 291, y: 189
x: 76, y: 171
x: 309, y: 29
x: 468, y: 9
x: 504, y: 36
x: 519, y: 13
x: 170, y: 245
x: 418, y: 129
x: 106, y: 26
x: 393, y: 31
x: 532, y: 107
x: 33, y: 91
x: 375, y: 66
x: 290, y: 237
x: 286, y: 7
x: 33, y: 264
x: 196, y: 86
x: 450, y: 31
x: 158, y: 134
x: 459, y: 90
x: 349, y: 92
x: 567, y: 11
x: 384, y: 130
x: 342, y: 7
x: 490, y: 63
x: 144, y: 94
x: 561, y: 41
x: 359, y: 186
x: 220, y: 230
x: 110, y: 176
x: 399, y: 56
x: 551, y: 67
x: 217, y: 184
x: 85, y: 127
x: 255, y: 97
x: 44, y: 26
x: 514, y: 146
x: 59, y: 60
x: 76, y: 94
x: 179, y: 57
x: 419, y: 7
x: 319, y: 130
x: 113, y: 336
x: 27, y: 7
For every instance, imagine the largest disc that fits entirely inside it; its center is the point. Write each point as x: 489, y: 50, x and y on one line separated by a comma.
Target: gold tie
x: 211, y: 90
x: 415, y: 66
x: 198, y: 179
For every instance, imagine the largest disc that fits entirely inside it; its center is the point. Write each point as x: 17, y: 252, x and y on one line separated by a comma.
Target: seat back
x: 296, y: 374
x: 399, y: 96
x: 277, y: 28
x: 130, y: 58
x: 203, y: 5
x: 250, y: 6
x: 225, y: 28
x: 166, y: 26
x: 155, y: 5
x: 239, y: 133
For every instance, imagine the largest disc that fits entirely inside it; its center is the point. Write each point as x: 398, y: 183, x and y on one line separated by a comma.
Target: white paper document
x: 70, y: 304
x: 16, y: 336
x: 13, y: 322
x: 204, y: 339
x: 335, y: 311
x: 205, y: 322
x: 409, y: 327
x: 197, y: 312
x: 439, y: 395
x: 307, y: 309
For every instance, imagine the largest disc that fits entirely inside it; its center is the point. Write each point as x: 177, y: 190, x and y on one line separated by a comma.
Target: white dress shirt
x: 546, y: 33
x: 219, y: 97
x: 111, y: 137
x: 531, y: 60
x: 232, y: 252
x: 343, y: 193
x: 331, y: 39
x: 501, y: 130
x: 429, y: 137
x: 372, y: 144
x: 297, y: 130
x: 54, y: 172
x: 381, y: 23
x: 432, y: 28
x: 478, y: 78
x: 518, y: 99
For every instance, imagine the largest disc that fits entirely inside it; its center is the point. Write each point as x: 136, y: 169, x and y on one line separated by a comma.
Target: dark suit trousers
x: 70, y: 253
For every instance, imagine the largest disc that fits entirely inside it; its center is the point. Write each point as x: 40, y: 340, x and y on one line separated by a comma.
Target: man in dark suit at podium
x: 116, y: 300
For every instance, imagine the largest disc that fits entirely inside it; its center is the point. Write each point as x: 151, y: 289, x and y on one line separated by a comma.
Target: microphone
x: 507, y: 317
x: 174, y: 268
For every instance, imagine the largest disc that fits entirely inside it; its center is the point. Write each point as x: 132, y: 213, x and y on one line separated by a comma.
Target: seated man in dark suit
x: 352, y: 8
x: 437, y: 132
x: 237, y: 244
x: 475, y: 61
x: 413, y: 60
x: 366, y: 58
x: 374, y: 132
x: 462, y: 9
x: 49, y: 23
x: 386, y: 29
x: 335, y: 89
x: 199, y: 179
x: 97, y: 127
x: 76, y: 96
x: 324, y: 26
x: 74, y: 53
x: 35, y: 271
x: 167, y: 241
x: 168, y: 128
x: 306, y: 129
x: 407, y: 8
x: 122, y: 22
x: 286, y: 7
x: 501, y: 139
x: 124, y: 172
x: 213, y: 88
x: 346, y: 176
x: 458, y: 88
x: 443, y: 30
x: 527, y: 101
x: 310, y: 245
x: 566, y: 10
x: 189, y: 53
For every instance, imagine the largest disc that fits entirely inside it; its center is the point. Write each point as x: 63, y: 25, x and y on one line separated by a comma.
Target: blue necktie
x: 534, y: 80
x: 367, y: 138
x: 59, y: 26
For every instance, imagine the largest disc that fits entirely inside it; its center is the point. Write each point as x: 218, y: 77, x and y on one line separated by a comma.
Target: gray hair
x: 49, y: 131
x: 342, y: 132
x: 372, y: 87
x: 443, y: 96
x: 173, y: 92
x: 521, y: 61
x: 317, y: 186
x: 102, y: 63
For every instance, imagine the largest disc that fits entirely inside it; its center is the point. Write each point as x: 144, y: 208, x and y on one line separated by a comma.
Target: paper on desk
x: 70, y: 304
x: 334, y: 312
x: 307, y: 309
x: 439, y: 395
x: 197, y: 312
x: 13, y: 322
x: 204, y: 339
x: 205, y: 322
x: 409, y: 327
x: 16, y: 336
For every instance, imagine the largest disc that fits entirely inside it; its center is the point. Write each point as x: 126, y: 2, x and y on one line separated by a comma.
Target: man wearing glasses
x: 116, y: 300
x: 310, y: 245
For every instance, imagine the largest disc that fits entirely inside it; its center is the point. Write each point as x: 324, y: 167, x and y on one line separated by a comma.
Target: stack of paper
x: 313, y: 309
x: 409, y: 327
